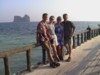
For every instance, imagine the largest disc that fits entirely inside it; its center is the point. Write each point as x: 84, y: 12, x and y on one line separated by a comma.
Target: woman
x: 59, y: 33
x: 53, y: 41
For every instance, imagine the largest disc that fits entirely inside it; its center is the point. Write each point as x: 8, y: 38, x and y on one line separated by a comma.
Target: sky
x: 77, y: 10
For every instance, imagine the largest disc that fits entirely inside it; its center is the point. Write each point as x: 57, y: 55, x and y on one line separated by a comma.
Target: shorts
x: 45, y: 45
x: 54, y: 40
x: 67, y: 40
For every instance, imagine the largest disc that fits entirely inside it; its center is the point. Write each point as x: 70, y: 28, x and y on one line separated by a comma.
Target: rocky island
x: 26, y: 18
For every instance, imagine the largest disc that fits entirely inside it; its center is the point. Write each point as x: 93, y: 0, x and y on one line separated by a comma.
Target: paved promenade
x: 85, y: 61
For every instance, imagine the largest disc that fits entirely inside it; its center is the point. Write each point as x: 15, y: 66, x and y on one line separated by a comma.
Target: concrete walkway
x: 85, y: 61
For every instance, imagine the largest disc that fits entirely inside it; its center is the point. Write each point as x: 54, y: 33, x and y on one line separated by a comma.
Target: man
x: 69, y: 29
x: 43, y: 39
x: 89, y: 32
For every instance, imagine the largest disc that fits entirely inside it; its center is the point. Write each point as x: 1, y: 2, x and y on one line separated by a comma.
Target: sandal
x: 52, y: 65
x: 68, y: 60
x: 61, y: 58
x: 56, y: 64
x: 57, y: 58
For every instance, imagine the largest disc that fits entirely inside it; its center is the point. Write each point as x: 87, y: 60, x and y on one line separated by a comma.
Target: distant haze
x: 77, y: 10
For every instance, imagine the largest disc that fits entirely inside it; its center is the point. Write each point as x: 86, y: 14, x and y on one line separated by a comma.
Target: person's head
x: 51, y: 19
x: 65, y: 17
x: 59, y: 19
x: 45, y: 16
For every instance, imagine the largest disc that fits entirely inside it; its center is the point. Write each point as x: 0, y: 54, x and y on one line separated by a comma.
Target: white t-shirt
x: 51, y: 29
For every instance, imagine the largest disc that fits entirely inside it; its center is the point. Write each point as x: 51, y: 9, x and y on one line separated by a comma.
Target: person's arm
x: 73, y: 28
x: 63, y: 35
x: 62, y: 32
x: 48, y: 33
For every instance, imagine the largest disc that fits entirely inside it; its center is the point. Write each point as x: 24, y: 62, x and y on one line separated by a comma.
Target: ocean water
x: 15, y: 35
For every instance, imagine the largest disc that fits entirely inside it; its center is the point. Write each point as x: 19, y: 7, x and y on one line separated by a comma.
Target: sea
x: 17, y: 34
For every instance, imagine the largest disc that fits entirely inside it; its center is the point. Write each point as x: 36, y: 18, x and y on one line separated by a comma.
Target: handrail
x: 84, y: 31
x: 17, y: 50
x: 80, y: 32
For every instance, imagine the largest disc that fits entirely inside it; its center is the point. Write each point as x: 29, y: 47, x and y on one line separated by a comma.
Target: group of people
x: 55, y: 35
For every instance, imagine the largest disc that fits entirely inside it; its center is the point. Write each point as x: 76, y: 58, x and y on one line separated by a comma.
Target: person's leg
x: 70, y: 50
x: 66, y: 46
x: 55, y: 44
x: 61, y: 53
x: 47, y: 48
x: 61, y: 50
x: 58, y: 50
x: 67, y: 49
x: 55, y: 52
x: 52, y: 63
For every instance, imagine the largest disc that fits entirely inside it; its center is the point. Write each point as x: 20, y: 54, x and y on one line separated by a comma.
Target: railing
x: 82, y: 37
x: 7, y: 54
x: 78, y: 39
